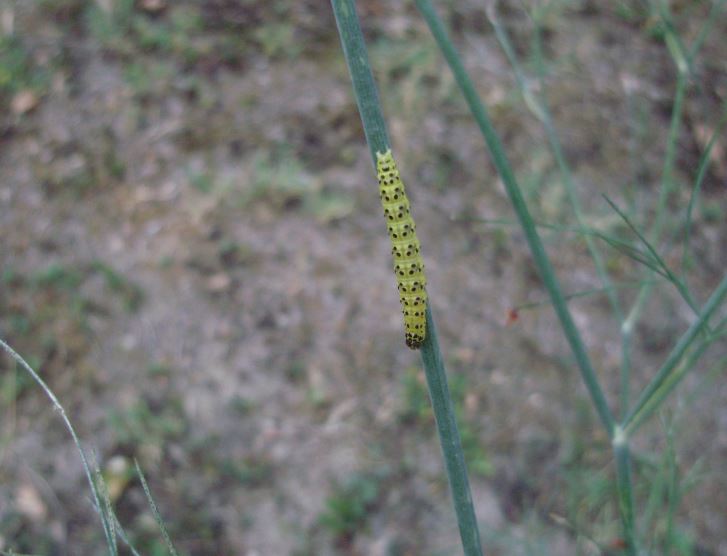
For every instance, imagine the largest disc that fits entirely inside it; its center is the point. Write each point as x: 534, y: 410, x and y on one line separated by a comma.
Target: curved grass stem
x: 102, y: 508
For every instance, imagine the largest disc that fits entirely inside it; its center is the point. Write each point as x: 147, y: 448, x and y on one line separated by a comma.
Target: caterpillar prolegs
x: 408, y: 264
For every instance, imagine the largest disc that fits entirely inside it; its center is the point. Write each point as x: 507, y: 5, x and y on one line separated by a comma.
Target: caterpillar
x: 408, y: 263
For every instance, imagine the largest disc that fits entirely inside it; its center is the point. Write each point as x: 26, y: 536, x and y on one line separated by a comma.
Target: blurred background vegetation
x: 193, y: 257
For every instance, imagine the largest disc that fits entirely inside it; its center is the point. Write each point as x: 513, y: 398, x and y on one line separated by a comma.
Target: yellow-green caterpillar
x: 408, y: 264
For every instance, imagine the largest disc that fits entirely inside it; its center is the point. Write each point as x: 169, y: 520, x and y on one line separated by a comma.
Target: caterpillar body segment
x: 408, y: 263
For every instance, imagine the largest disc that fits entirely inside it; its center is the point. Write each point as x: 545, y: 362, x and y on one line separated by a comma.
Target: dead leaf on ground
x: 24, y: 101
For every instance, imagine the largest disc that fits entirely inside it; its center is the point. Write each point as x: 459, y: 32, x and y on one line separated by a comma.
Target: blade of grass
x: 125, y: 538
x: 502, y: 164
x: 356, y: 55
x: 107, y: 527
x: 654, y: 394
x: 154, y: 510
x: 107, y: 508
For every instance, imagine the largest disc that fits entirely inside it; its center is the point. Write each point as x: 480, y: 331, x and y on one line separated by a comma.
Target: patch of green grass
x: 329, y: 204
x: 278, y: 40
x: 47, y: 313
x: 203, y: 182
x: 159, y: 370
x: 253, y: 471
x: 132, y: 295
x: 232, y: 49
x: 90, y: 167
x: 179, y: 33
x: 589, y: 493
x: 24, y: 538
x: 111, y: 28
x: 140, y: 424
x: 349, y: 505
x: 475, y: 454
x: 58, y: 277
x: 280, y: 179
x: 630, y: 11
x: 317, y: 398
x: 20, y: 324
x: 40, y: 312
x: 166, y: 261
x: 170, y: 34
x: 242, y: 406
x: 149, y: 77
x: 18, y: 71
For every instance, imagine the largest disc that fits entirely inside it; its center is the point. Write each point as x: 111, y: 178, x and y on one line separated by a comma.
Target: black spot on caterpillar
x: 408, y: 263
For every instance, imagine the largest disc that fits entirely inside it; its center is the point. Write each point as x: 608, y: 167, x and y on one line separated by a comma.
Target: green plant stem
x: 539, y: 106
x: 364, y: 86
x: 709, y: 21
x: 634, y: 315
x: 673, y: 488
x: 654, y: 391
x: 644, y: 294
x: 625, y: 490
x: 450, y: 438
x: 701, y: 174
x: 683, y: 59
x: 536, y: 246
x: 660, y: 262
x: 668, y: 385
x: 369, y: 107
x: 667, y: 178
x: 155, y: 510
x: 672, y: 371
